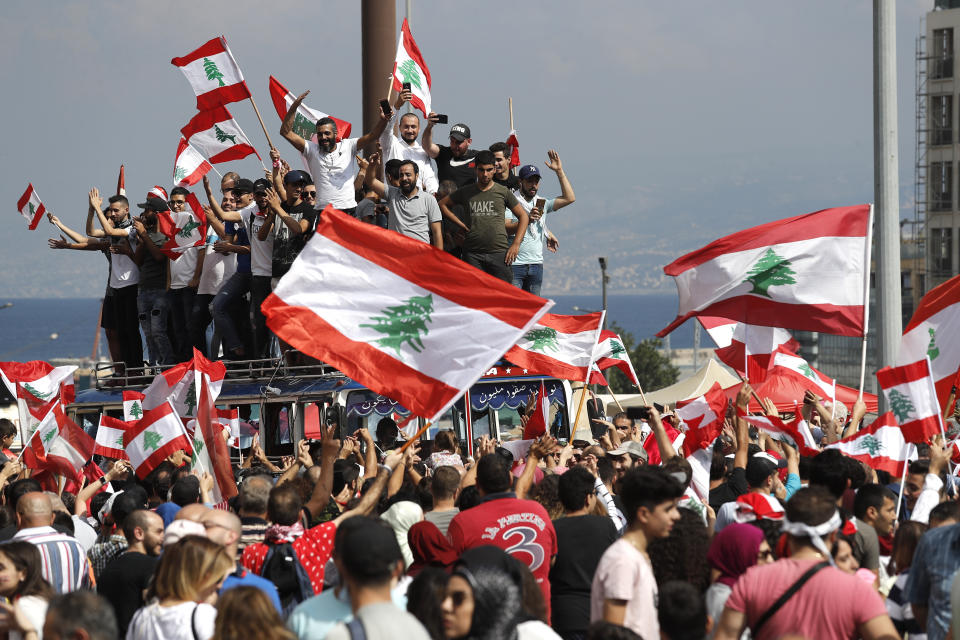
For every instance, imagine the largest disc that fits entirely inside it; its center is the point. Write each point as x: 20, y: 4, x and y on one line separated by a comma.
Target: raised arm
x: 426, y: 140
x: 367, y: 175
x: 566, y: 189
x: 73, y: 235
x: 280, y: 170
x: 230, y: 216
x: 743, y: 428
x: 94, y: 203
x: 667, y: 451
x: 286, y: 129
x: 372, y: 496
x: 371, y: 136
x: 329, y: 446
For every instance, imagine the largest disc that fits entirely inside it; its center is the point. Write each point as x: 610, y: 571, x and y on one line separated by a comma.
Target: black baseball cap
x: 460, y: 131
x: 243, y: 185
x: 261, y: 185
x: 297, y: 176
x: 760, y: 466
x: 154, y: 204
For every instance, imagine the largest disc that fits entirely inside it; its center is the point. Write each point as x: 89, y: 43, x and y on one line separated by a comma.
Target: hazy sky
x: 677, y: 122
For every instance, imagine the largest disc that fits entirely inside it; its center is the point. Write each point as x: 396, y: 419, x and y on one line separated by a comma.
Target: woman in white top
x: 27, y: 593
x: 185, y: 586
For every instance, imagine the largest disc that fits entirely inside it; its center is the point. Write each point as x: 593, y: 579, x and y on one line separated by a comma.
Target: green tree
x: 49, y: 435
x: 191, y: 400
x: 213, y: 73
x: 404, y: 323
x: 409, y: 72
x: 932, y: 350
x: 871, y: 445
x: 223, y: 136
x: 151, y: 440
x: 901, y: 406
x: 179, y: 173
x: 653, y: 368
x: 136, y: 411
x: 188, y: 229
x: 768, y: 271
x: 543, y: 338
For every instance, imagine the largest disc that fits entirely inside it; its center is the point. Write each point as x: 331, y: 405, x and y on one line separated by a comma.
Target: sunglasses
x: 309, y: 194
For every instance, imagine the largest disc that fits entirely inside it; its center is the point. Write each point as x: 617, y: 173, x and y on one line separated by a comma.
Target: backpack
x: 282, y: 567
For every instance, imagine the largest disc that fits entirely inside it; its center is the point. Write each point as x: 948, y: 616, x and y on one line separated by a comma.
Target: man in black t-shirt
x: 455, y: 162
x: 501, y: 166
x: 287, y: 245
x: 124, y: 580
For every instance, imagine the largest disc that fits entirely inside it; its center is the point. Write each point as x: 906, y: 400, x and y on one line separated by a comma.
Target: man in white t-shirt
x: 332, y: 162
x: 406, y: 146
x: 528, y: 267
x: 184, y: 278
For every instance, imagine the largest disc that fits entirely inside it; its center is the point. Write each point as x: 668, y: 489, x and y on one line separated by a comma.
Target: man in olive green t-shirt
x: 485, y: 246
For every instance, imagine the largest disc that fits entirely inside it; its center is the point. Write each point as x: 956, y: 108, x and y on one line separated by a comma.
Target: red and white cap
x: 758, y: 506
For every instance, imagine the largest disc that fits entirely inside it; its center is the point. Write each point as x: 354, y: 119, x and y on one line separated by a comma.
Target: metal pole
x: 886, y: 180
x: 696, y: 345
x: 378, y: 28
x: 604, y: 279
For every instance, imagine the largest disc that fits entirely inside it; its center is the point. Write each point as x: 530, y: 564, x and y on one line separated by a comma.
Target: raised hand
x: 553, y: 160
x: 95, y: 199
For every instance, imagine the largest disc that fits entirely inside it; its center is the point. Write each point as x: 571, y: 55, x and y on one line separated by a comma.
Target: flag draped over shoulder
x: 881, y: 445
x: 912, y: 397
x: 369, y: 302
x: 213, y: 74
x: 30, y: 207
x: 932, y: 332
x: 305, y: 122
x: 215, y: 134
x: 704, y: 419
x: 558, y: 345
x: 806, y: 273
x: 411, y: 67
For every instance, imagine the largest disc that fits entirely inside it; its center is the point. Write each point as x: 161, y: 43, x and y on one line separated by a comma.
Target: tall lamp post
x: 604, y: 279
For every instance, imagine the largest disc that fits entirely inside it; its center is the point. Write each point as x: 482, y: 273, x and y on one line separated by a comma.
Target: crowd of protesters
x: 467, y: 202
x: 599, y: 539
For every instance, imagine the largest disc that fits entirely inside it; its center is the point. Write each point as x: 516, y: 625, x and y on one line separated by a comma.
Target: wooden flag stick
x: 262, y: 126
x: 416, y: 436
x: 619, y: 406
x: 510, y: 104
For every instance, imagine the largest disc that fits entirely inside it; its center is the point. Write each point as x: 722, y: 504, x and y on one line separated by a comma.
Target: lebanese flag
x: 132, y: 406
x: 611, y: 352
x: 558, y: 346
x: 912, y: 396
x: 39, y: 385
x: 796, y: 433
x: 410, y: 67
x: 176, y: 385
x: 59, y: 445
x: 158, y: 434
x: 189, y: 167
x: 793, y: 366
x: 184, y: 229
x: 749, y: 344
x: 808, y: 273
x: 210, y: 451
x: 305, y: 122
x: 653, y: 449
x: 110, y: 434
x: 121, y: 183
x: 932, y: 332
x: 368, y: 302
x: 215, y: 134
x: 537, y: 423
x: 213, y: 74
x: 30, y: 207
x: 229, y: 421
x: 881, y: 445
x: 704, y: 419
x: 158, y: 192
x: 514, y: 148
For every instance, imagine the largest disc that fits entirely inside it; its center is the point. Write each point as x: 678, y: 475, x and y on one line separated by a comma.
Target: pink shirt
x: 626, y: 574
x: 831, y: 605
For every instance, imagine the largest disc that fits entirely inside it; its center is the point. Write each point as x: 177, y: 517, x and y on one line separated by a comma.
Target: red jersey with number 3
x: 522, y: 528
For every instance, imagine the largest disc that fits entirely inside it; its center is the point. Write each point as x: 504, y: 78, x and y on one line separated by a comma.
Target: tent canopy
x: 695, y: 385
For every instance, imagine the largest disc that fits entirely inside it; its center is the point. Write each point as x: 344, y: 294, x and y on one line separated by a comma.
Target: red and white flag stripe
x: 796, y: 367
x: 796, y: 433
x: 215, y: 134
x: 59, y: 445
x: 39, y: 384
x: 30, y: 207
x: 806, y: 273
x: 749, y: 345
x: 912, y: 397
x: 132, y: 405
x: 410, y: 66
x: 611, y: 352
x: 881, y: 446
x: 305, y: 122
x: 213, y: 74
x: 184, y: 229
x: 189, y: 166
x: 932, y: 333
x: 561, y: 346
x: 158, y: 434
x: 109, y: 440
x: 369, y: 302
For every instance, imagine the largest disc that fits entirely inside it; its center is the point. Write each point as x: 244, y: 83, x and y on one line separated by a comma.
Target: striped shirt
x: 63, y: 560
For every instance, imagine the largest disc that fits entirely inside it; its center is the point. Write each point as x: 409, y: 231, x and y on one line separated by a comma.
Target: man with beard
x: 456, y: 162
x: 406, y: 146
x: 331, y: 162
x: 413, y: 211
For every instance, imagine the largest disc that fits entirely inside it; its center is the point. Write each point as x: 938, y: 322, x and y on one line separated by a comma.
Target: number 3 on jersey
x: 526, y: 545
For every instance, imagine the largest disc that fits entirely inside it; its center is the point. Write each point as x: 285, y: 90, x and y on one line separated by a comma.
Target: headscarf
x: 430, y: 548
x: 734, y: 550
x: 401, y: 516
x: 497, y: 592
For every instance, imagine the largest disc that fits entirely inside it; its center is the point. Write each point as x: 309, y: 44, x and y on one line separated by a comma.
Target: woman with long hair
x: 445, y: 451
x: 27, y: 594
x: 185, y: 586
x: 244, y: 612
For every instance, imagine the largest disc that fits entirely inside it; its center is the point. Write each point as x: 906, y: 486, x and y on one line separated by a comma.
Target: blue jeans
x: 232, y: 290
x: 152, y: 312
x: 528, y: 277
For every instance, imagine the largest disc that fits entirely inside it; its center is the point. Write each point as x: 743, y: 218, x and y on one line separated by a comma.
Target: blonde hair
x: 243, y: 609
x: 190, y: 568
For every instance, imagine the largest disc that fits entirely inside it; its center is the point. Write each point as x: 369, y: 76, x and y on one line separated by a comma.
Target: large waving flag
x: 932, y: 332
x: 189, y: 166
x: 794, y: 366
x: 881, y: 445
x: 912, y: 397
x: 369, y: 302
x: 158, y: 434
x: 410, y: 67
x: 59, y: 445
x: 808, y: 272
x: 215, y: 134
x: 704, y: 418
x: 213, y: 74
x: 748, y: 345
x: 110, y: 434
x: 558, y: 345
x: 611, y: 352
x: 210, y: 451
x: 184, y: 229
x: 30, y: 207
x: 305, y: 122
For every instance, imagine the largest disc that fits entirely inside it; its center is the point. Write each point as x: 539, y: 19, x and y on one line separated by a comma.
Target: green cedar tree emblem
x: 303, y: 126
x: 213, y: 73
x: 119, y: 442
x: 409, y: 72
x: 49, y: 435
x: 32, y: 210
x: 136, y: 411
x: 871, y: 445
x: 179, y: 173
x: 223, y: 136
x: 404, y: 323
x: 807, y: 370
x: 770, y: 270
x: 191, y: 400
x: 901, y: 406
x: 617, y: 350
x: 543, y: 338
x: 932, y: 350
x: 151, y: 440
x: 197, y: 448
x: 36, y: 392
x: 188, y: 228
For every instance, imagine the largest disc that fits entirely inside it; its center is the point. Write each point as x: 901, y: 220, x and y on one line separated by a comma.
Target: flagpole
x: 262, y: 126
x: 510, y: 105
x: 416, y: 436
x: 903, y: 479
x: 583, y: 392
x: 619, y: 406
x: 866, y: 302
